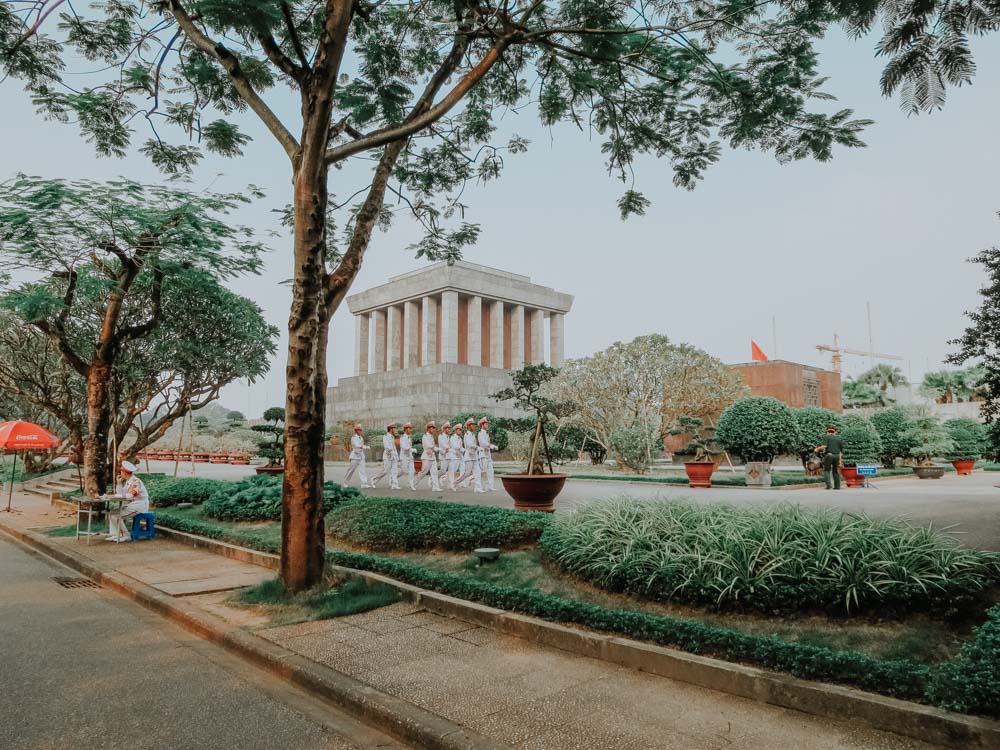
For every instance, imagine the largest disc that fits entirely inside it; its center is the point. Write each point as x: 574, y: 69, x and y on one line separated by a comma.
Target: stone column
x: 394, y: 338
x: 557, y: 332
x: 496, y: 333
x: 428, y: 336
x: 474, y: 345
x: 449, y: 326
x: 378, y: 355
x: 536, y: 319
x: 361, y: 344
x: 411, y: 355
x: 517, y: 337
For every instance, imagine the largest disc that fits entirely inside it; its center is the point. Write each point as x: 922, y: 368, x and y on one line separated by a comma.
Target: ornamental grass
x: 769, y: 558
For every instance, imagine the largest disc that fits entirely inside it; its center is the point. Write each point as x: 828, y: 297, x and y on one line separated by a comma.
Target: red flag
x: 756, y: 353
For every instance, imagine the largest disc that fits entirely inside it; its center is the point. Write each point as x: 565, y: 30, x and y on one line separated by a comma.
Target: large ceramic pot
x: 699, y: 473
x: 758, y: 473
x: 534, y: 491
x: 851, y: 475
x: 274, y: 470
x: 928, y: 472
x: 964, y: 468
x: 201, y: 458
x: 418, y: 465
x: 218, y: 458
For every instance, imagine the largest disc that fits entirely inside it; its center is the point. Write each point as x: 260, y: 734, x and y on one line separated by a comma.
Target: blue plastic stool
x: 143, y: 527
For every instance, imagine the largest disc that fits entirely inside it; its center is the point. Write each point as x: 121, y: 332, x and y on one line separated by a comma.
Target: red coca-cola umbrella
x: 24, y: 436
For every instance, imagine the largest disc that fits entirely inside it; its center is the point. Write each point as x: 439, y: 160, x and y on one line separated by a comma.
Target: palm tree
x: 855, y: 393
x: 883, y: 376
x: 944, y: 386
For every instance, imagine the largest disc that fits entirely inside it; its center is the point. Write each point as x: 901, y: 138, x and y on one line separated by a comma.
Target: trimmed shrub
x: 892, y: 426
x: 812, y: 422
x: 171, y: 491
x: 969, y: 437
x: 636, y: 446
x: 758, y: 428
x: 970, y: 683
x: 258, y: 498
x: 784, y: 558
x: 382, y: 523
x: 862, y: 444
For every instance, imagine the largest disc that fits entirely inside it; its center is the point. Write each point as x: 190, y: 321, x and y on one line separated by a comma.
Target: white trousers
x: 357, y: 465
x: 429, y: 466
x: 455, y: 466
x: 472, y: 471
x: 116, y: 521
x: 390, y: 468
x: 486, y: 466
x: 406, y: 467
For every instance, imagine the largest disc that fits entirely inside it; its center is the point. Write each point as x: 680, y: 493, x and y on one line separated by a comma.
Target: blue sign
x: 867, y: 470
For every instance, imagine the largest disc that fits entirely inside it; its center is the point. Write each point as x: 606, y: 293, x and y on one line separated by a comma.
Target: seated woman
x: 131, y: 488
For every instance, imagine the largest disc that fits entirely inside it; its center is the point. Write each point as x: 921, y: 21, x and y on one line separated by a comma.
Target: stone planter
x: 418, y: 465
x: 218, y: 458
x: 273, y: 470
x: 758, y: 473
x: 964, y: 468
x: 699, y: 473
x: 534, y: 491
x: 852, y: 477
x: 240, y: 459
x: 201, y: 458
x: 928, y: 472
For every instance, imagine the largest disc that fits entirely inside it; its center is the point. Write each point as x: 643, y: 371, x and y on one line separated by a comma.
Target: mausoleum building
x: 440, y: 340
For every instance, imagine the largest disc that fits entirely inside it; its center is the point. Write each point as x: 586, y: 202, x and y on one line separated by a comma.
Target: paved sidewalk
x: 504, y: 688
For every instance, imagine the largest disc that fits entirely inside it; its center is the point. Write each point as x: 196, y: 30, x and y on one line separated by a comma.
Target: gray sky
x: 807, y: 243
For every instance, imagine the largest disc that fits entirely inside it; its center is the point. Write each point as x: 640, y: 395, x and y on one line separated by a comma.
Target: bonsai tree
x: 758, y: 428
x: 527, y: 393
x: 812, y: 422
x: 273, y: 447
x: 862, y: 444
x: 201, y: 423
x: 893, y: 426
x: 235, y: 419
x: 702, y: 443
x: 969, y: 437
x: 928, y: 438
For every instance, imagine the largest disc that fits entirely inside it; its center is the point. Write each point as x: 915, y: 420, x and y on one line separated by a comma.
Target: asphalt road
x: 86, y: 668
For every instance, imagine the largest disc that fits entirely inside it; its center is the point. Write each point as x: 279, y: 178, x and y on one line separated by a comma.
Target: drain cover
x: 76, y: 583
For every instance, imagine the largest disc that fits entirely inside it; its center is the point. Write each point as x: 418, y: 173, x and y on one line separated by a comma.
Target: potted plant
x: 862, y: 445
x: 272, y: 448
x: 812, y: 422
x: 702, y: 446
x: 969, y: 437
x: 757, y: 428
x: 534, y: 489
x: 928, y: 438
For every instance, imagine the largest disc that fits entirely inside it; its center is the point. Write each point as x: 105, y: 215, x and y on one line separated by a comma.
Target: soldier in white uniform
x: 429, y: 457
x: 357, y: 458
x: 486, y: 449
x: 444, y: 455
x: 390, y: 458
x: 131, y: 488
x: 455, y: 462
x: 471, y: 458
x: 406, y: 453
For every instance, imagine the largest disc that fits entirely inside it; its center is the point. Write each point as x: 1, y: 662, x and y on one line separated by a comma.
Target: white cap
x: 484, y: 420
x: 358, y: 427
x: 407, y: 425
x: 390, y: 426
x: 469, y: 421
x: 446, y: 425
x: 130, y: 467
x: 429, y: 425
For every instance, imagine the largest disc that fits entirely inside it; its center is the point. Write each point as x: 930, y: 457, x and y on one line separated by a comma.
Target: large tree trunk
x: 303, y: 543
x: 95, y: 446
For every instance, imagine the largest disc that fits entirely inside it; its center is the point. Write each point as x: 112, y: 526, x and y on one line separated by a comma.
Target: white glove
x: 493, y: 448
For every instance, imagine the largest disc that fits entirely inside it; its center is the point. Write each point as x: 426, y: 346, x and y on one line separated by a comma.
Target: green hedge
x: 970, y: 683
x: 258, y: 498
x: 388, y: 523
x: 900, y: 678
x: 169, y: 491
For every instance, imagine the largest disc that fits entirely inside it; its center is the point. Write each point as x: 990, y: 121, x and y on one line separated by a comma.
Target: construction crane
x: 839, y: 351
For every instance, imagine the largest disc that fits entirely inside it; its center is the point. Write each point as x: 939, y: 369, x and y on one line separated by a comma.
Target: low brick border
x: 393, y: 715
x: 820, y: 699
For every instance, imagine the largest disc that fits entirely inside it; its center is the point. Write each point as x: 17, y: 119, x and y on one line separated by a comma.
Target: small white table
x: 90, y: 511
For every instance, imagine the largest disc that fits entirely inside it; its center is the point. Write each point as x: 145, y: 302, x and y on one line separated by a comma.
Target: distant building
x: 438, y: 341
x: 795, y: 384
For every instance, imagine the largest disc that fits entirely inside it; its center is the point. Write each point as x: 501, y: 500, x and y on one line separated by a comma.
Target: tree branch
x: 293, y: 35
x: 279, y: 58
x: 156, y: 312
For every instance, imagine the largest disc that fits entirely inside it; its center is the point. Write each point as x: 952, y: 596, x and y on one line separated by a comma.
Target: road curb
x: 817, y: 698
x: 393, y: 715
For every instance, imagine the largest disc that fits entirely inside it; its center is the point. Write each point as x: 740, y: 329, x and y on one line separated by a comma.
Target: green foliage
x: 498, y: 432
x: 862, y: 444
x: 883, y: 377
x: 928, y: 437
x: 636, y: 447
x: 258, y: 498
x: 969, y: 437
x: 758, y: 429
x: 528, y: 393
x: 855, y: 393
x: 812, y: 422
x: 273, y: 448
x: 784, y: 558
x: 351, y: 596
x: 172, y: 491
x: 970, y: 683
x: 401, y: 524
x: 893, y: 427
x: 274, y: 414
x: 979, y: 342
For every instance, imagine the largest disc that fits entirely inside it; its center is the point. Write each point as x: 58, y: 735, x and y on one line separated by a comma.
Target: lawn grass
x: 350, y: 596
x: 60, y: 531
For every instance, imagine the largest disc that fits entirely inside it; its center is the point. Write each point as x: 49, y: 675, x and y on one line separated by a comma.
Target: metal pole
x: 10, y: 491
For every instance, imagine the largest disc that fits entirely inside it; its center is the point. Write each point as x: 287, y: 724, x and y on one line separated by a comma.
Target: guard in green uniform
x: 833, y: 454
